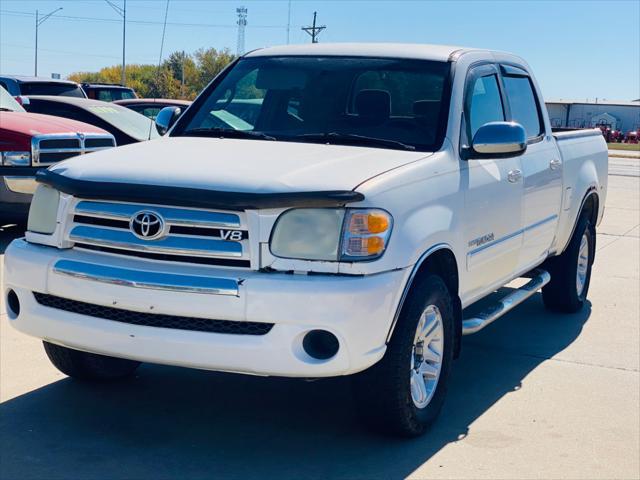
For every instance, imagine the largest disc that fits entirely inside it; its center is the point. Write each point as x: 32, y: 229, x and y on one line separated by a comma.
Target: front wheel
x: 404, y: 392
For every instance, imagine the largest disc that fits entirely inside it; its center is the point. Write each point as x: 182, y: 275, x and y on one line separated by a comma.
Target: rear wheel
x: 88, y: 366
x: 404, y: 392
x: 571, y: 271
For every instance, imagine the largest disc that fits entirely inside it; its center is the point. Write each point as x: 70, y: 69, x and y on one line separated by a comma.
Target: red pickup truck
x: 29, y: 142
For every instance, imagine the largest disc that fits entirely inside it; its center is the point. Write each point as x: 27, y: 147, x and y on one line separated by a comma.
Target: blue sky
x: 578, y: 49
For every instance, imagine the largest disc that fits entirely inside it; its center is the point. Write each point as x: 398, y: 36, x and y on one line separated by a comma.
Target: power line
x: 65, y: 52
x: 314, y: 31
x: 139, y: 22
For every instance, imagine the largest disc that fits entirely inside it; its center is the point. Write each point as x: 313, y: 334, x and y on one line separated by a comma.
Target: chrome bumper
x: 144, y: 279
x: 21, y: 184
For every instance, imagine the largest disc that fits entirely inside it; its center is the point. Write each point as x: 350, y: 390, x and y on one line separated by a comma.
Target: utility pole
x: 289, y: 24
x: 314, y: 31
x: 242, y: 23
x: 40, y: 21
x: 122, y: 11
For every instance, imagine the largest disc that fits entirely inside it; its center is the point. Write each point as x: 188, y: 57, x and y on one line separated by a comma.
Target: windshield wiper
x: 353, y: 139
x: 218, y: 132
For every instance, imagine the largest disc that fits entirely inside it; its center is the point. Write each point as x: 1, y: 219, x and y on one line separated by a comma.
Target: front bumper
x: 358, y: 310
x: 13, y: 203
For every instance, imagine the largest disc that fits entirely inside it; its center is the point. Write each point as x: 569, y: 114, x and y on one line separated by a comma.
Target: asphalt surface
x: 535, y: 395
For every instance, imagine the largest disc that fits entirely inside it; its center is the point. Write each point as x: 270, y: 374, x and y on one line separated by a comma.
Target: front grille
x: 219, y: 262
x: 60, y: 143
x: 187, y: 235
x: 47, y: 158
x: 49, y: 149
x: 98, y: 143
x: 153, y: 319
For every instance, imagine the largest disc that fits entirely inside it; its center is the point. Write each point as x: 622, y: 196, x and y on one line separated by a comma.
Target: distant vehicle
x: 125, y: 125
x: 30, y: 142
x: 22, y: 85
x: 631, y: 137
x: 150, y: 107
x: 108, y: 92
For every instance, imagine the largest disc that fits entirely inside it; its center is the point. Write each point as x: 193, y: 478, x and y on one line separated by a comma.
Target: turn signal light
x: 368, y: 223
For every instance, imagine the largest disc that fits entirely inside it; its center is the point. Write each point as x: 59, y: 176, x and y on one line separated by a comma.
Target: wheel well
x: 443, y: 263
x: 590, y: 207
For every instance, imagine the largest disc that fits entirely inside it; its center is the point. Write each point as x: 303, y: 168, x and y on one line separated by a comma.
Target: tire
x: 88, y: 366
x: 383, y: 393
x: 567, y: 291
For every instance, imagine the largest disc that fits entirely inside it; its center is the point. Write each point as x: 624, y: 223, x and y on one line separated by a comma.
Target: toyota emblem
x: 147, y: 225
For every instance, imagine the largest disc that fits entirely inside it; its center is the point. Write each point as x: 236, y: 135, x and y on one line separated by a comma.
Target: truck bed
x: 563, y: 133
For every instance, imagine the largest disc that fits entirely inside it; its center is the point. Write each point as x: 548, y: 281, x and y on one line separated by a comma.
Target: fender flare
x: 409, y: 283
x: 592, y: 190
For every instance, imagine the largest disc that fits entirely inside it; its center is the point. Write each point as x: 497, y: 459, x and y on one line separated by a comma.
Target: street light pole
x: 122, y: 11
x: 40, y: 21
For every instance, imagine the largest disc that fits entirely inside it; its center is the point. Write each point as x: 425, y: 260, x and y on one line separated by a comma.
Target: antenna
x: 289, y: 23
x: 122, y: 11
x: 242, y: 23
x: 314, y: 31
x: 164, y: 31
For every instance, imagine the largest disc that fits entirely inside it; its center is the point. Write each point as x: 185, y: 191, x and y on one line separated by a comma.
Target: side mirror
x: 499, y: 139
x: 166, y: 118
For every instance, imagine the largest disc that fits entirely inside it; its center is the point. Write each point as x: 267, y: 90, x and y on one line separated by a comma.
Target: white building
x: 623, y: 116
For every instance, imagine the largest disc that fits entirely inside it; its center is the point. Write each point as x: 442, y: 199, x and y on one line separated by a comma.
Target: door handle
x: 514, y: 176
x: 555, y: 164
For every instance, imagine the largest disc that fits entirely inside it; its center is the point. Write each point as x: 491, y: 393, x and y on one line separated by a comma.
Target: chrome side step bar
x: 475, y: 324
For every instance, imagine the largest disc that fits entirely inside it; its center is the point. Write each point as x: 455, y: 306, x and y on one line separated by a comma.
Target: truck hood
x: 32, y: 124
x: 233, y: 165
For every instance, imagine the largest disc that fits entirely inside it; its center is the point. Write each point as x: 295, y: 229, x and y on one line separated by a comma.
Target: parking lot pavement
x: 535, y: 395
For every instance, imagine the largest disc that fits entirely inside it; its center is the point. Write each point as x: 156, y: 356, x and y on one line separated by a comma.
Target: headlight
x: 331, y: 234
x: 308, y: 233
x: 44, y: 210
x: 16, y: 159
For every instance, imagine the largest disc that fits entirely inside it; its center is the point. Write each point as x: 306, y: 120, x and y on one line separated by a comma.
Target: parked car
x: 150, y: 107
x: 382, y: 190
x: 108, y: 92
x: 125, y: 125
x: 31, y: 142
x: 23, y: 85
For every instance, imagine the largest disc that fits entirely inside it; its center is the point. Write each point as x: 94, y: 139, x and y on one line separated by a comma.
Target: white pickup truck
x: 318, y: 211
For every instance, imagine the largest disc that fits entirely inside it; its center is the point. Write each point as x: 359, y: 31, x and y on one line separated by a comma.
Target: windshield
x: 56, y: 89
x: 132, y: 123
x: 7, y: 102
x: 385, y: 103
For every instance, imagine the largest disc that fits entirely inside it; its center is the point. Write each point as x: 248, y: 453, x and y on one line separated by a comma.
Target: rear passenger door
x: 493, y: 191
x: 541, y: 167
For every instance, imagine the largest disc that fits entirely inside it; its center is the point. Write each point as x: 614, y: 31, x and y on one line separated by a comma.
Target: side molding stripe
x: 514, y: 234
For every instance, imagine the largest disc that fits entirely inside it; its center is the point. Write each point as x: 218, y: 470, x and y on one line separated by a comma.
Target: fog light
x: 13, y: 304
x: 320, y: 344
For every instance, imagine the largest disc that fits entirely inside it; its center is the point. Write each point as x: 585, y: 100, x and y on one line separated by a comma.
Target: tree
x: 210, y: 63
x: 167, y: 81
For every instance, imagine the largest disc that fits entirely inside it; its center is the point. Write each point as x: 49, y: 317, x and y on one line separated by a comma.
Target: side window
x: 523, y: 103
x: 485, y: 103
